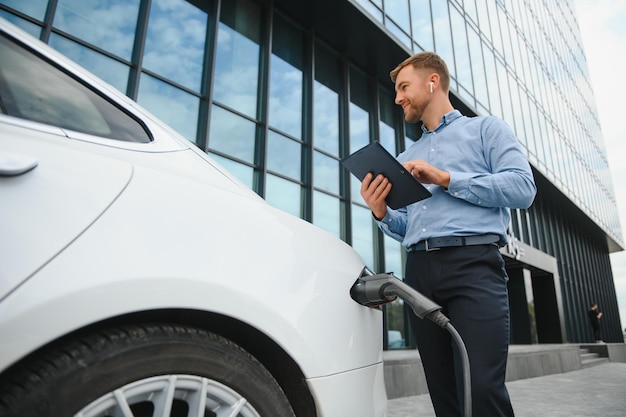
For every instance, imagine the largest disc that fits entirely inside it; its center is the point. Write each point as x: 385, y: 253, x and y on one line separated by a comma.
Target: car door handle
x: 12, y: 164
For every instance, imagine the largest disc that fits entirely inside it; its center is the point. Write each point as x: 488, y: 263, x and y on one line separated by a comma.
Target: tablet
x: 375, y: 159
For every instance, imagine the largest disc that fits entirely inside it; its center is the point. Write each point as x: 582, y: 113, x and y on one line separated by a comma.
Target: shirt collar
x: 446, y: 119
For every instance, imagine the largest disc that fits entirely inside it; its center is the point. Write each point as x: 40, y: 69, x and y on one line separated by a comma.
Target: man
x: 594, y: 318
x: 476, y: 171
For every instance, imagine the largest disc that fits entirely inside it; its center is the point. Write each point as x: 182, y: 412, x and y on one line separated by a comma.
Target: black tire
x: 143, y: 363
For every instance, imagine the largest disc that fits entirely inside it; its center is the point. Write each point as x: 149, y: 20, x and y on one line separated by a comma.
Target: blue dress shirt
x: 488, y: 175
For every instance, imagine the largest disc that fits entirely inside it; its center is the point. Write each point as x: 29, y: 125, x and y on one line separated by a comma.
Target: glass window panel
x: 355, y: 190
x: 492, y: 87
x: 284, y: 155
x: 506, y: 40
x: 283, y: 194
x: 461, y: 53
x: 495, y: 25
x: 396, y: 318
x: 175, y: 42
x: 325, y: 118
x: 387, y: 137
x: 33, y: 89
x: 470, y: 9
x: 110, y: 70
x: 397, y: 328
x: 32, y: 8
x: 359, y: 115
x: 478, y: 68
x: 483, y: 17
x: 325, y: 173
x: 243, y: 173
x: 326, y: 213
x: 232, y: 134
x: 398, y: 11
x: 359, y: 128
x: 286, y: 79
x: 173, y: 106
x: 386, y: 125
x: 505, y: 95
x: 363, y: 233
x: 393, y: 256
x: 327, y: 89
x: 399, y: 33
x: 413, y: 132
x: 517, y: 125
x: 235, y: 82
x: 21, y: 23
x: 373, y: 10
x: 109, y: 24
x: 422, y: 24
x: 443, y: 37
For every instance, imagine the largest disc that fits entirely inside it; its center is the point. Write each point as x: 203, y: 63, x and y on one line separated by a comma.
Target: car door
x: 49, y: 193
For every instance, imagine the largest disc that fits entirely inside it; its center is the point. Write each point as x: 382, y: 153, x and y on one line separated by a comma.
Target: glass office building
x: 279, y: 91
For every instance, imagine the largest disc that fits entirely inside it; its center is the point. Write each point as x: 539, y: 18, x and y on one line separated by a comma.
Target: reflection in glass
x: 325, y: 119
x: 478, y: 69
x: 443, y: 38
x: 399, y: 12
x: 325, y: 173
x: 492, y: 87
x: 355, y: 190
x: 33, y: 8
x: 393, y: 256
x: 283, y: 194
x: 175, y: 42
x: 461, y: 54
x: 232, y: 134
x: 111, y: 71
x: 21, y: 23
x: 286, y: 79
x: 359, y: 128
x: 326, y: 98
x: 107, y: 24
x: 172, y: 105
x: 236, y: 76
x: 326, y: 213
x: 359, y: 116
x: 422, y: 24
x: 284, y: 155
x: 41, y: 92
x: 363, y: 233
x: 244, y: 173
x: 385, y: 126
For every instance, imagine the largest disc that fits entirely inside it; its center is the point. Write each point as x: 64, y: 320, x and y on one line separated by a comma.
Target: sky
x: 604, y: 40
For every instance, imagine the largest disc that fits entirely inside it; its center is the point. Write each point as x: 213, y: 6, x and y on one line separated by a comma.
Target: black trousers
x: 470, y: 284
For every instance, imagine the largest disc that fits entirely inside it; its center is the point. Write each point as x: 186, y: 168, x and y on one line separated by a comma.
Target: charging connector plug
x: 378, y: 289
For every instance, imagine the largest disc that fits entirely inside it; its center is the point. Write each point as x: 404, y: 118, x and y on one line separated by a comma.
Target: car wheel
x: 145, y: 371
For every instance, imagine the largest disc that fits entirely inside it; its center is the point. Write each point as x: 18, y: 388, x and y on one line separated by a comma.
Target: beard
x: 414, y: 112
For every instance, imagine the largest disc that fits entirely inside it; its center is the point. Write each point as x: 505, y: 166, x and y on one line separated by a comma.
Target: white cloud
x: 604, y: 40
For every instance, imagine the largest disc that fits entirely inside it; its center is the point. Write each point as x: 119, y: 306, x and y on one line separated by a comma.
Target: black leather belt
x: 436, y: 243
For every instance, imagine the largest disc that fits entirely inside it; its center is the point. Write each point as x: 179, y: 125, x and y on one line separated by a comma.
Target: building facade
x: 279, y: 91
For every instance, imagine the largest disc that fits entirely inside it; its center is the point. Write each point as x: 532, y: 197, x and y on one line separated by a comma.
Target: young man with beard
x: 476, y: 171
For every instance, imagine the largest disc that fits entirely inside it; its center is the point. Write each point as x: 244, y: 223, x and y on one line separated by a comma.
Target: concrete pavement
x: 597, y: 391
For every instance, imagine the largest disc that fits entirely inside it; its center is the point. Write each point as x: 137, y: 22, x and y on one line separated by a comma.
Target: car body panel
x: 164, y: 258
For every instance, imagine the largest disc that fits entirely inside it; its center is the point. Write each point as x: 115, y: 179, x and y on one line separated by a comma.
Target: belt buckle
x: 429, y: 249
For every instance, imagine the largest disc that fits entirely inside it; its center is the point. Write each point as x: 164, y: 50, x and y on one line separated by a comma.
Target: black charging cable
x: 373, y: 290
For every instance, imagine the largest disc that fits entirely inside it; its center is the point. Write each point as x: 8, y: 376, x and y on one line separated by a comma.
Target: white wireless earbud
x: 431, y: 87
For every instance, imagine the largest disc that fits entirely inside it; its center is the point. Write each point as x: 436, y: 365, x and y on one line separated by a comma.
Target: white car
x: 139, y: 278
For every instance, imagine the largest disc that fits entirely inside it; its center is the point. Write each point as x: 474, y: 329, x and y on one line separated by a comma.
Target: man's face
x: 412, y: 92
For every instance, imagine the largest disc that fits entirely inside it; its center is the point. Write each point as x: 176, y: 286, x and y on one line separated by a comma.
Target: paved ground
x: 599, y: 391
